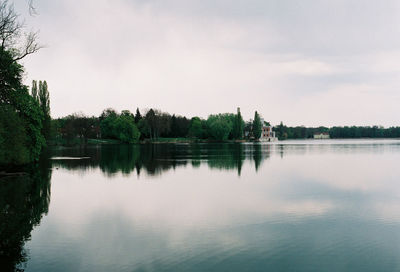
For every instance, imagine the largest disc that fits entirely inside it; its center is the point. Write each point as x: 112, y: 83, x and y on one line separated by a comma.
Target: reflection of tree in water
x: 239, y: 158
x: 232, y: 156
x: 23, y: 201
x: 157, y: 158
x: 257, y: 155
x: 226, y: 156
x: 123, y: 159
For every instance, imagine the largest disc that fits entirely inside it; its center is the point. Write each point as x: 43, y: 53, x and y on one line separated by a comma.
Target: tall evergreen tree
x: 174, y: 127
x: 138, y: 116
x: 152, y: 122
x: 257, y: 126
x: 238, y: 126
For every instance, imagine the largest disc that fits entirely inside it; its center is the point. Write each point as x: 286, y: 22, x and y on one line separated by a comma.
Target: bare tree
x: 12, y: 37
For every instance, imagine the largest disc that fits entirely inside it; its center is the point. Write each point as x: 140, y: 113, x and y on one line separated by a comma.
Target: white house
x: 322, y: 135
x: 267, y: 134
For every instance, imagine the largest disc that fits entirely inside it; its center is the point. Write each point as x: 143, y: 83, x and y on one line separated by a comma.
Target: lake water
x: 318, y: 205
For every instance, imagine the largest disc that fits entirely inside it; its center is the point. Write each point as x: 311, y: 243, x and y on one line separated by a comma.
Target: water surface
x: 329, y: 205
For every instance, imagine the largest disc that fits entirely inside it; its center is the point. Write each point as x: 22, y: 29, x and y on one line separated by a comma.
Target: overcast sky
x: 301, y: 62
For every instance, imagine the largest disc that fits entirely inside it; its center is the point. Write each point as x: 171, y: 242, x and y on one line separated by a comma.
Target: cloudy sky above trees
x: 301, y: 62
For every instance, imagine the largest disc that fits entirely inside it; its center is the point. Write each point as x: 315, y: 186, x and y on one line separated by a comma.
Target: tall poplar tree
x: 34, y: 91
x: 44, y: 102
x: 238, y: 126
x: 257, y: 126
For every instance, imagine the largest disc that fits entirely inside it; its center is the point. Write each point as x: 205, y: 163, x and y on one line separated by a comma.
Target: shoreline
x: 192, y: 141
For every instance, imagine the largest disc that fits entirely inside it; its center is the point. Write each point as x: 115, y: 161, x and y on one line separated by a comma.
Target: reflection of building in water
x: 322, y: 135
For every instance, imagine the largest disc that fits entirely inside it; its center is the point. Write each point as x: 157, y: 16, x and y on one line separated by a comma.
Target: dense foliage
x: 119, y: 126
x: 21, y: 138
x: 73, y: 129
x: 220, y: 126
x: 13, y: 137
x: 196, y: 128
x: 153, y: 125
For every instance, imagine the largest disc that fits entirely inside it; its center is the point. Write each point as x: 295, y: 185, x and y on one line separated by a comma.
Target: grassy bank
x: 79, y: 141
x: 103, y: 141
x: 171, y: 140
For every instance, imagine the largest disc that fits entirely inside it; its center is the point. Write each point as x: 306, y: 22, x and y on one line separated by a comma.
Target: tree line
x: 151, y: 125
x: 155, y: 125
x: 337, y: 132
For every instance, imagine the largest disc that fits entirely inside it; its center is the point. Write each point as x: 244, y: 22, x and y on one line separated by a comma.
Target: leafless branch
x: 11, y: 37
x: 30, y: 46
